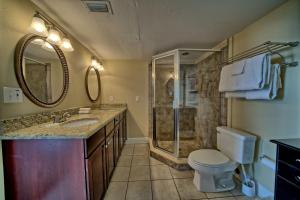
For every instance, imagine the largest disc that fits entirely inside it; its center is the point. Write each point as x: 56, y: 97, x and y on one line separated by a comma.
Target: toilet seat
x: 208, y: 158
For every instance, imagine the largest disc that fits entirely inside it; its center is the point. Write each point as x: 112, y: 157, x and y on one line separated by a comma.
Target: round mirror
x: 92, y: 83
x: 41, y: 71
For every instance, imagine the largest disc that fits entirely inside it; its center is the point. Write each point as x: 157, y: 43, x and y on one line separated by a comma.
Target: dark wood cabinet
x: 121, y: 130
x: 97, y: 173
x: 44, y: 169
x: 110, y: 154
x: 77, y: 169
x: 117, y: 144
x: 287, y: 179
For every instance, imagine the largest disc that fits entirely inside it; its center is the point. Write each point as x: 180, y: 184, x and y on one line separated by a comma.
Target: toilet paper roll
x: 268, y: 162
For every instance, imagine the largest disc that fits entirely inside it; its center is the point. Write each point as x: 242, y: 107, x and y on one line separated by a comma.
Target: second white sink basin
x: 80, y: 122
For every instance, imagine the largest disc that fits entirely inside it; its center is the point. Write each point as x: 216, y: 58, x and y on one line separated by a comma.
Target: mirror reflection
x: 42, y: 71
x: 93, y: 83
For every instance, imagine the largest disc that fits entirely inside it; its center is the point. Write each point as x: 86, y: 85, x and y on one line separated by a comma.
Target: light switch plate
x: 12, y: 95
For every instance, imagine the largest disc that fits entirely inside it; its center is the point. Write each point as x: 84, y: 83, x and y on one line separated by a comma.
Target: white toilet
x: 214, y: 169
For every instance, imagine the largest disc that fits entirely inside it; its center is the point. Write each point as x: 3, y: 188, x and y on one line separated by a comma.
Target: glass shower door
x: 164, y: 129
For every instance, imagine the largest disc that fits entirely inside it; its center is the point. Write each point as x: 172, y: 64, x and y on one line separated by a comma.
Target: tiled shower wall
x: 212, y: 105
x: 211, y: 110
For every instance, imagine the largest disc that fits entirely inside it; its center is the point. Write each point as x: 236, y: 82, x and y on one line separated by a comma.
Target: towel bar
x: 271, y: 47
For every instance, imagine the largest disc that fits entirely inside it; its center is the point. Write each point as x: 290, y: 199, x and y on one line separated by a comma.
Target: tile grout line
x: 128, y: 177
x: 151, y: 188
x: 172, y: 177
x: 174, y: 183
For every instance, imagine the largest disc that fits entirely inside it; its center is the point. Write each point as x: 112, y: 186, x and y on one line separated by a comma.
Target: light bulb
x: 94, y: 62
x: 38, y: 27
x: 48, y: 47
x: 53, y: 37
x: 66, y: 45
x: 100, y: 67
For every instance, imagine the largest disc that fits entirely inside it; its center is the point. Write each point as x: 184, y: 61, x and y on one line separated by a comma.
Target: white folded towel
x: 238, y: 68
x: 249, y: 74
x: 84, y: 108
x: 267, y: 93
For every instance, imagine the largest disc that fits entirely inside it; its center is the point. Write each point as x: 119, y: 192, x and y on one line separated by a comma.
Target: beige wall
x: 17, y: 15
x: 124, y: 80
x: 15, y: 18
x: 279, y: 118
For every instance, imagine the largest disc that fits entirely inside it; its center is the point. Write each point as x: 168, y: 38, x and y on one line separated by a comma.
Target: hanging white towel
x: 249, y: 74
x: 268, y: 93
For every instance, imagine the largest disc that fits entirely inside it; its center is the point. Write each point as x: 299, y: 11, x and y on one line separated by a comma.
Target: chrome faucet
x: 65, y: 116
x: 59, y: 119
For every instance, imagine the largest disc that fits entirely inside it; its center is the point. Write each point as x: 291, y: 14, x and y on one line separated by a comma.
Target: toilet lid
x: 209, y: 157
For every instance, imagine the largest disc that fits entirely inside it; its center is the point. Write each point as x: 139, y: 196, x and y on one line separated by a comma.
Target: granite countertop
x: 56, y: 131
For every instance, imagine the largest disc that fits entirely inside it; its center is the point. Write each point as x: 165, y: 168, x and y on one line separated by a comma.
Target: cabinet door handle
x: 297, y: 178
x: 298, y: 160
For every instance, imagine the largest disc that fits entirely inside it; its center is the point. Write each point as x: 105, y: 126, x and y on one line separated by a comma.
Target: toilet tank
x: 236, y: 144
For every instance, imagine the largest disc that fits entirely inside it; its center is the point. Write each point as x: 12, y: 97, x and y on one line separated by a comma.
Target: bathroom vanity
x: 64, y: 161
x: 287, y: 180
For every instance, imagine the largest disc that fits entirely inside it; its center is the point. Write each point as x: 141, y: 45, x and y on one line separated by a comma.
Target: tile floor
x: 140, y: 177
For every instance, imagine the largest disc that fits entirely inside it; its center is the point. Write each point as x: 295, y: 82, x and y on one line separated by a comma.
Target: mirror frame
x: 19, y: 52
x: 87, y: 84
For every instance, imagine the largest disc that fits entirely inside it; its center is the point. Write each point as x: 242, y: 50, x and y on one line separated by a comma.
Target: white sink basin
x: 80, y: 122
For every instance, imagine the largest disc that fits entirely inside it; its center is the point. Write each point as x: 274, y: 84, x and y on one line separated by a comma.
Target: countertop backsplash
x: 25, y: 121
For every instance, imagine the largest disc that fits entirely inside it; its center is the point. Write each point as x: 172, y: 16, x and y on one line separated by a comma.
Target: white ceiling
x: 139, y: 29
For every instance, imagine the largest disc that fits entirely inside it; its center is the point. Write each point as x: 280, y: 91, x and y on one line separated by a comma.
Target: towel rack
x: 271, y: 47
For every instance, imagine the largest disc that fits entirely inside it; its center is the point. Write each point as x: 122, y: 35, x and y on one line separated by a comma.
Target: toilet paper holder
x: 267, y: 161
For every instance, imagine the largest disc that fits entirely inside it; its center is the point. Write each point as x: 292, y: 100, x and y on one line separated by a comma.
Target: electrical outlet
x: 12, y: 95
x: 111, y: 98
x: 137, y: 98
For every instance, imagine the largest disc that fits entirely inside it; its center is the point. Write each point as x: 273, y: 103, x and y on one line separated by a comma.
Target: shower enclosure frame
x: 176, y: 100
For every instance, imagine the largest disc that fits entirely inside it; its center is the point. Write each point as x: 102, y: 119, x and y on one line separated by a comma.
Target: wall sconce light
x: 66, y: 45
x: 54, y: 37
x: 100, y: 67
x: 94, y: 61
x: 39, y: 26
x: 96, y: 64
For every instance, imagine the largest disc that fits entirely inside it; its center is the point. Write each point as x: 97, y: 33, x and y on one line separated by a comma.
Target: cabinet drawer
x: 286, y: 191
x: 289, y: 173
x: 110, y: 127
x: 290, y: 156
x: 92, y: 142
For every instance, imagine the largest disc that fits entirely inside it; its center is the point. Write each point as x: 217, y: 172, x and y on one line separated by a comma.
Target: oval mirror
x: 41, y: 70
x: 93, y: 84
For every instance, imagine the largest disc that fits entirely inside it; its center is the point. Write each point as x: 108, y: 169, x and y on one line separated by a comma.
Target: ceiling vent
x: 102, y: 6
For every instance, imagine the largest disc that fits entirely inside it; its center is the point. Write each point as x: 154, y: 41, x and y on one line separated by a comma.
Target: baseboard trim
x: 263, y: 192
x: 139, y: 140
